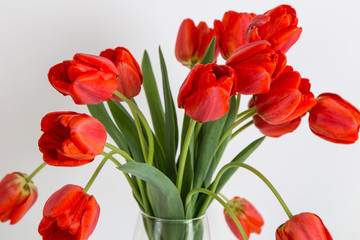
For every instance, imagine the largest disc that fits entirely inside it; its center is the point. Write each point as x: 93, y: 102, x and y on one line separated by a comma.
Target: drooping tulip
x: 334, y: 119
x: 88, y: 79
x: 230, y: 32
x: 304, y: 226
x: 130, y: 77
x: 247, y: 215
x: 71, y: 139
x: 192, y: 42
x: 69, y: 214
x: 17, y: 196
x: 205, y: 93
x: 289, y: 98
x: 278, y: 26
x: 256, y: 65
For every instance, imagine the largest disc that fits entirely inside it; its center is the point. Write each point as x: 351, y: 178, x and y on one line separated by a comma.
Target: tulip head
x: 192, y: 42
x: 256, y: 65
x: 205, y: 93
x: 16, y: 197
x: 88, y: 79
x: 71, y: 139
x: 304, y: 226
x: 278, y: 26
x: 247, y: 215
x: 130, y: 77
x: 334, y: 119
x: 69, y: 214
x: 289, y: 98
x: 230, y: 32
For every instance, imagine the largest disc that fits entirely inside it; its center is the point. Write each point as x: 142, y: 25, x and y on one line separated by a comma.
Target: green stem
x: 197, y: 131
x: 228, y: 209
x: 122, y: 153
x: 97, y: 171
x: 238, y: 102
x: 257, y: 173
x: 36, y: 171
x: 140, y: 134
x: 146, y: 125
x: 224, y: 197
x: 244, y: 113
x: 183, y: 154
x: 242, y: 129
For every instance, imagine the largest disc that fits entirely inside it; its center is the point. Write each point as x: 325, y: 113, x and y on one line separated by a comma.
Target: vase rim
x: 186, y: 220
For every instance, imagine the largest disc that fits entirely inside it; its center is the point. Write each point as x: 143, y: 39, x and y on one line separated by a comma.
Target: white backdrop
x: 310, y: 173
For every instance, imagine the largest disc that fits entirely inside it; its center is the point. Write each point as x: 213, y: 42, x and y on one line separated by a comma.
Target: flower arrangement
x: 173, y: 173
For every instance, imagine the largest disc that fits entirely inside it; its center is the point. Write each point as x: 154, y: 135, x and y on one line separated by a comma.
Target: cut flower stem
x: 36, y: 171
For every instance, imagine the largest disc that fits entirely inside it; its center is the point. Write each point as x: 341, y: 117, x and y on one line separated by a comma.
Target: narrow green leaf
x: 99, y: 112
x: 163, y: 193
x: 171, y: 127
x: 209, y: 54
x: 153, y: 99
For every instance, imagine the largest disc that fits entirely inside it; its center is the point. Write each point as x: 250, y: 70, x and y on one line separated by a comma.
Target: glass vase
x: 152, y: 228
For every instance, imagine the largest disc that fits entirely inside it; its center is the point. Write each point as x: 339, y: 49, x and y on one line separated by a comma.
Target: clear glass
x: 152, y: 228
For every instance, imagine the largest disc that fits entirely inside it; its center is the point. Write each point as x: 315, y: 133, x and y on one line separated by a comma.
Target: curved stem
x: 244, y: 113
x: 146, y: 125
x: 97, y: 171
x: 242, y: 129
x: 36, y: 171
x: 140, y: 134
x: 183, y: 154
x: 122, y: 153
x: 228, y: 209
x: 257, y: 173
x: 225, y: 198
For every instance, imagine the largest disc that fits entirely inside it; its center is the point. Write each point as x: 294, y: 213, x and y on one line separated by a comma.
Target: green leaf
x: 127, y: 126
x: 99, y: 112
x: 153, y: 99
x: 171, y: 127
x: 166, y: 200
x: 209, y: 54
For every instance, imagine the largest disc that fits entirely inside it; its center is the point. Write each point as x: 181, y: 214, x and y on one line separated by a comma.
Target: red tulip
x: 192, y: 42
x: 305, y: 226
x: 88, y: 79
x: 334, y: 119
x: 278, y: 26
x: 230, y: 32
x: 247, y: 215
x: 206, y: 92
x: 71, y: 139
x: 130, y: 77
x: 256, y: 65
x: 16, y: 197
x: 69, y: 214
x: 289, y: 98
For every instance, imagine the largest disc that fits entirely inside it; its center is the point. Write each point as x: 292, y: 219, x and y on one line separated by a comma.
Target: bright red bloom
x: 192, y: 42
x: 230, y: 32
x: 256, y: 65
x: 334, y: 119
x: 304, y: 226
x: 248, y: 216
x: 69, y: 214
x: 16, y: 197
x: 278, y: 26
x: 71, y: 139
x: 289, y: 98
x: 205, y: 93
x: 130, y: 77
x: 88, y: 79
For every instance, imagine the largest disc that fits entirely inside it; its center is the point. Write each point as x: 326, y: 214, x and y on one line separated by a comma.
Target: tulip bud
x: 205, y: 93
x: 71, y: 139
x: 130, y: 77
x: 247, y: 215
x: 230, y: 32
x: 334, y: 119
x: 304, y: 226
x: 88, y: 79
x: 192, y: 42
x: 16, y: 197
x: 278, y: 26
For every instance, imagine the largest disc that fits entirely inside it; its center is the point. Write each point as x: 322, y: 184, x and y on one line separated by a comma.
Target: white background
x: 310, y: 173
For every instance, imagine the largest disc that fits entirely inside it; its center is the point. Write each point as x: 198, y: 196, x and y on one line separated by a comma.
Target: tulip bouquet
x: 173, y: 174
